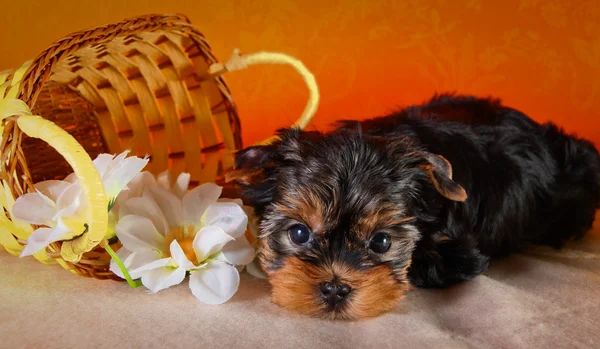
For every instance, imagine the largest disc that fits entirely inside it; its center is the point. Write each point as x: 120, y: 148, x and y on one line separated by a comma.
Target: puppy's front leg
x: 440, y: 262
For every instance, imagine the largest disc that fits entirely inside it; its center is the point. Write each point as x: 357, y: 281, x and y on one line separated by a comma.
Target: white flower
x: 116, y: 172
x: 165, y: 236
x: 60, y: 205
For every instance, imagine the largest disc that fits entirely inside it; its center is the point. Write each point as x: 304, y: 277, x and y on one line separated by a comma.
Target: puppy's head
x: 338, y: 217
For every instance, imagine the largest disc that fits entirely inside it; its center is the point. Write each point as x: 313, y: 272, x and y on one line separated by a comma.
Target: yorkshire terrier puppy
x: 350, y: 219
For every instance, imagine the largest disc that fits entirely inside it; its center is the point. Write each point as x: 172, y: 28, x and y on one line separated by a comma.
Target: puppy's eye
x: 299, y: 234
x: 380, y: 242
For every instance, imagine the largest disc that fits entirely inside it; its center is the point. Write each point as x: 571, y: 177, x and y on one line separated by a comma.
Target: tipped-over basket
x: 149, y: 84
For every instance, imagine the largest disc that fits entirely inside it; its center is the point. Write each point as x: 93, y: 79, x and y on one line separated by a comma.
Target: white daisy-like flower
x: 166, y: 235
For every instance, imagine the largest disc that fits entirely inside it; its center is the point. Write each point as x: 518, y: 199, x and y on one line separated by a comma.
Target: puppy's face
x: 338, y: 217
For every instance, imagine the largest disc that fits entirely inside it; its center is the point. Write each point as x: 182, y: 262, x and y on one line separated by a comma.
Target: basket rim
x: 40, y: 68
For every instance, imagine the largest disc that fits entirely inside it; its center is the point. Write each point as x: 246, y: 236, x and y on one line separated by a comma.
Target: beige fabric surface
x: 526, y: 301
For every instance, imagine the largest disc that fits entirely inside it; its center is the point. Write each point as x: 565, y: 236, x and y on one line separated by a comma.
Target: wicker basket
x: 149, y: 84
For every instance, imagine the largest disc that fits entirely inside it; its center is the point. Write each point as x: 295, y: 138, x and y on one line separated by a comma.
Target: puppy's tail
x: 578, y: 186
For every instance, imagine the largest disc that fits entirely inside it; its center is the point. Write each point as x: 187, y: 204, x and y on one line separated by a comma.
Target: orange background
x: 369, y: 57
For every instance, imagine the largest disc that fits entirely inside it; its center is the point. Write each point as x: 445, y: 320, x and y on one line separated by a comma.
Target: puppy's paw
x: 443, y: 262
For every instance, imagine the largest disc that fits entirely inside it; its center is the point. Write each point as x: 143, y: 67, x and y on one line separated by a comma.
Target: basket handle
x: 238, y: 62
x: 96, y: 214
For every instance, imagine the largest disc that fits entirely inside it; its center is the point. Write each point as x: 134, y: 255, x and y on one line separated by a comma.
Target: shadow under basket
x: 142, y: 84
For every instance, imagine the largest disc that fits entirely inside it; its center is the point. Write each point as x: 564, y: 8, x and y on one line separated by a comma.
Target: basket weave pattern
x: 141, y: 84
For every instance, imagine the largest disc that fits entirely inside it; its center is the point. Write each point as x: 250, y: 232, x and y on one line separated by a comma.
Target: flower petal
x: 52, y: 188
x: 159, y: 263
x: 121, y: 156
x: 209, y: 241
x: 181, y: 184
x: 228, y: 216
x: 72, y: 178
x: 255, y: 270
x: 42, y: 237
x: 103, y: 163
x: 123, y: 170
x: 136, y: 186
x: 239, y: 252
x: 137, y: 262
x: 140, y: 262
x: 145, y: 207
x: 214, y: 284
x: 179, y: 256
x: 34, y: 208
x: 220, y: 257
x: 197, y: 200
x: 163, y: 180
x: 169, y: 204
x: 124, y: 255
x: 161, y: 278
x: 138, y: 234
x: 237, y: 201
x: 140, y: 182
x: 71, y: 202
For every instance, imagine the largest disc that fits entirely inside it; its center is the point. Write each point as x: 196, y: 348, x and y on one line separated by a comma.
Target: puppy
x: 350, y: 219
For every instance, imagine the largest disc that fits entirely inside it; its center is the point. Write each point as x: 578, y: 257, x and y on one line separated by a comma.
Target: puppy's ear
x: 440, y: 173
x: 255, y: 174
x: 251, y: 164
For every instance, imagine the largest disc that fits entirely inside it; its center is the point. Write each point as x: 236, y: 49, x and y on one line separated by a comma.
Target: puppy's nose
x: 334, y: 292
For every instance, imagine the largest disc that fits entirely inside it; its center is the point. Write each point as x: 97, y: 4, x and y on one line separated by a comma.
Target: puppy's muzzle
x: 334, y: 293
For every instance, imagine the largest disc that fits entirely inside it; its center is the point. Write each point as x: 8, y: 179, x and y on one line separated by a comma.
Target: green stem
x: 113, y: 255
